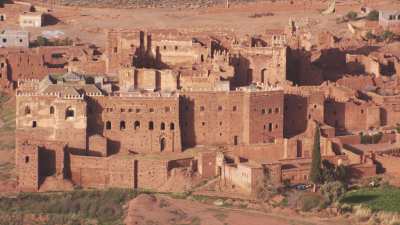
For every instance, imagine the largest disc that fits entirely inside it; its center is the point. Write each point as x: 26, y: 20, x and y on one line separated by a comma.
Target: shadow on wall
x: 113, y: 147
x: 186, y: 122
x: 144, y: 57
x: 49, y: 20
x: 242, y: 71
x: 295, y: 115
x: 300, y: 70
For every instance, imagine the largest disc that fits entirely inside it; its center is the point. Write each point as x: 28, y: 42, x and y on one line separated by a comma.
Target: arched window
x: 172, y: 126
x: 162, y: 126
x: 52, y: 110
x: 151, y: 125
x: 69, y: 113
x: 263, y: 75
x: 108, y: 125
x: 136, y: 125
x: 27, y: 110
x: 162, y: 144
x: 122, y: 125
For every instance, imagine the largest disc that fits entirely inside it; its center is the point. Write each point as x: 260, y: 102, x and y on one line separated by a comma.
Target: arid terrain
x: 89, y: 24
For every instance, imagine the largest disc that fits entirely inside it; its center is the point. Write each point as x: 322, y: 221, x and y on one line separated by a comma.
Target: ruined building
x: 212, y: 105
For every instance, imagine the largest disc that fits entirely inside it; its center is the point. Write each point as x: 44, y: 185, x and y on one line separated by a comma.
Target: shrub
x: 387, y: 35
x: 373, y: 15
x: 103, y: 206
x: 362, y: 213
x: 43, y: 41
x: 310, y: 201
x: 332, y: 191
x: 351, y: 15
x: 370, y: 35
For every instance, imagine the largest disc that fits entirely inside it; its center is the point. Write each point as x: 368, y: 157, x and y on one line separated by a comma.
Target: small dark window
x: 167, y: 109
x: 202, y: 108
x: 27, y: 110
x: 362, y: 111
x: 122, y: 110
x: 276, y: 110
x: 136, y: 125
x: 115, y: 49
x: 263, y: 111
x: 270, y: 127
x: 51, y: 110
x: 69, y: 113
x: 176, y: 47
x: 151, y: 125
x: 122, y: 125
x: 172, y: 126
x: 108, y: 125
x: 34, y: 124
x: 203, y: 123
x: 129, y: 110
x: 26, y: 159
x: 151, y: 110
x: 234, y: 108
x: 137, y: 110
x: 219, y: 108
x: 269, y: 111
x: 162, y: 126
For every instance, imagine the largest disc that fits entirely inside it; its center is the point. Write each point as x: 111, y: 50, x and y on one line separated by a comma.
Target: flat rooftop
x: 14, y: 32
x: 379, y: 148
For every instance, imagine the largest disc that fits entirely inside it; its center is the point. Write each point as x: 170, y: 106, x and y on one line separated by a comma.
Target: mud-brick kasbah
x: 154, y: 102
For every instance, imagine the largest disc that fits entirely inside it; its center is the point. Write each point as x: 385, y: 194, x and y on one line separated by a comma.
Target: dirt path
x: 157, y: 210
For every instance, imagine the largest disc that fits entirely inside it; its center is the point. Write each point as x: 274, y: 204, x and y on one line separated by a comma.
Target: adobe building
x: 14, y: 39
x: 389, y: 19
x: 213, y: 106
x: 31, y: 19
x: 36, y: 63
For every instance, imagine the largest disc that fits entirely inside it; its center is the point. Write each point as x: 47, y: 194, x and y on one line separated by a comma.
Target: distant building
x: 388, y: 19
x: 14, y: 38
x: 31, y: 19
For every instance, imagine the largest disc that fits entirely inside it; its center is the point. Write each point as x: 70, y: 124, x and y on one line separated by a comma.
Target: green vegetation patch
x: 377, y: 199
x: 103, y: 206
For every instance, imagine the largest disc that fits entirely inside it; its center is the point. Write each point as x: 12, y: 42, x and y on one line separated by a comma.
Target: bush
x: 43, y: 41
x: 387, y: 35
x: 351, y: 15
x: 333, y: 191
x: 362, y: 213
x: 373, y: 15
x: 103, y: 206
x: 310, y: 201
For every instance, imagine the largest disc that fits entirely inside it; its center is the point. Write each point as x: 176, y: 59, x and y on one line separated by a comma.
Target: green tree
x: 351, y: 15
x: 316, y: 171
x: 388, y: 36
x: 373, y: 15
x: 42, y: 41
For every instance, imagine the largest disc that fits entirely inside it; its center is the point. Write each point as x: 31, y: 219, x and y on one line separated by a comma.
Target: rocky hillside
x: 150, y: 3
